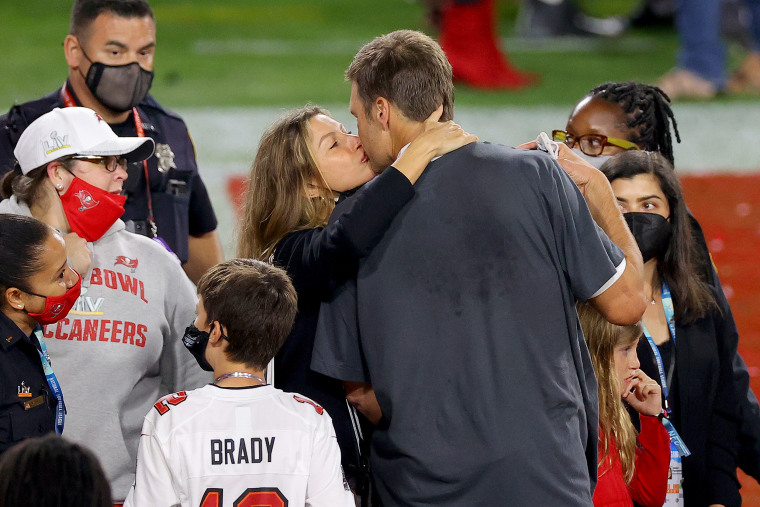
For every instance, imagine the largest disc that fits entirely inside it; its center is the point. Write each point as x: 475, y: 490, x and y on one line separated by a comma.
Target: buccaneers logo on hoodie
x: 126, y: 261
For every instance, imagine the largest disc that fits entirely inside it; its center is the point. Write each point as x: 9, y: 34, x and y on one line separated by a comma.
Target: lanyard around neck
x: 52, y: 381
x: 667, y: 306
x: 238, y: 374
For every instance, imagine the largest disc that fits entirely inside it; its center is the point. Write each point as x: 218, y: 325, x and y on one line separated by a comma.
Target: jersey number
x: 251, y: 497
x: 162, y: 405
x: 304, y: 400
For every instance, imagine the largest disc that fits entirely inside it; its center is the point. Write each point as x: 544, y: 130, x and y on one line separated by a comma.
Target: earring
x: 59, y: 186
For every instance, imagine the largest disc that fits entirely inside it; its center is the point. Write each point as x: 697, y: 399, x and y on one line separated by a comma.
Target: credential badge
x: 165, y: 157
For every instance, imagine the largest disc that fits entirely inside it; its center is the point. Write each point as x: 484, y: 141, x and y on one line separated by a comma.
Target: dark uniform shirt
x: 20, y: 362
x: 181, y: 205
x: 468, y: 332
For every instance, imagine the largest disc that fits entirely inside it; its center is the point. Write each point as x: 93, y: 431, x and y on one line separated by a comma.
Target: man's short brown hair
x: 84, y: 12
x: 256, y: 304
x: 409, y: 69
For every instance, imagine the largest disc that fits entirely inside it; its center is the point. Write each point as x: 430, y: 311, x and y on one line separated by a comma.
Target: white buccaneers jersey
x: 242, y: 447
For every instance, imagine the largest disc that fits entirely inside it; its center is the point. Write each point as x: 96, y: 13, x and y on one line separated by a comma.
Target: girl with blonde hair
x: 631, y: 467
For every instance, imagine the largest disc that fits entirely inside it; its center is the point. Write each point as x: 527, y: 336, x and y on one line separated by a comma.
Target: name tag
x: 34, y: 402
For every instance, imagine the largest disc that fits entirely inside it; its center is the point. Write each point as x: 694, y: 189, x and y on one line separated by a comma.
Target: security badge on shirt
x: 165, y: 157
x: 24, y: 391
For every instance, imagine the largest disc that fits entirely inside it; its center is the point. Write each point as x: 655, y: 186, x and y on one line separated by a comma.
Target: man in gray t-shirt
x: 463, y: 319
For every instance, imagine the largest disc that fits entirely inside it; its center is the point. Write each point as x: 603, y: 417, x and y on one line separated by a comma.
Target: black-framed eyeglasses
x: 592, y: 144
x: 110, y: 163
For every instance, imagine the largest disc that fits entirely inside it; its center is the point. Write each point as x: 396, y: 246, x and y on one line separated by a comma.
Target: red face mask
x: 91, y: 211
x: 57, y: 307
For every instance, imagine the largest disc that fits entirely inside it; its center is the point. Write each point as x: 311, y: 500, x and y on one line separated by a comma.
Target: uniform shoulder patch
x: 317, y: 407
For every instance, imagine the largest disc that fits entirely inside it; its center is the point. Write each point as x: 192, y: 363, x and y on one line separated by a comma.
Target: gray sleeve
x: 337, y: 346
x: 588, y: 257
x: 178, y: 369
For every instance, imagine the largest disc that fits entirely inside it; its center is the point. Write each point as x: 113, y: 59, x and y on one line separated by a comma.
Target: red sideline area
x: 728, y: 207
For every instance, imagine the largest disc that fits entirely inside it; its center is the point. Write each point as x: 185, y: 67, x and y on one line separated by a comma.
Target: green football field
x: 288, y: 52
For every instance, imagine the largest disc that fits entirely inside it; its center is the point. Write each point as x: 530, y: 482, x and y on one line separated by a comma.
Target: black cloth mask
x: 196, y: 341
x: 118, y: 87
x: 652, y: 233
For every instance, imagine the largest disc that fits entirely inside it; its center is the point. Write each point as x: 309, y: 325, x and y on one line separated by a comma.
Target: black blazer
x: 707, y: 404
x: 20, y: 362
x: 316, y: 261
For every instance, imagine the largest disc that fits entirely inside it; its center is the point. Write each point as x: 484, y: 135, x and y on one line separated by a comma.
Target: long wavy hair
x: 277, y: 201
x: 614, y: 422
x: 679, y: 265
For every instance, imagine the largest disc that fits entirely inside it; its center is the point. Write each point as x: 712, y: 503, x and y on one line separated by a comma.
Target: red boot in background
x: 468, y: 37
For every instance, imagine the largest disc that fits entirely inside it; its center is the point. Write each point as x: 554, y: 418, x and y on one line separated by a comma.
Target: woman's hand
x: 644, y: 394
x: 581, y: 172
x: 440, y: 138
x: 436, y: 139
x: 79, y: 255
x: 593, y: 185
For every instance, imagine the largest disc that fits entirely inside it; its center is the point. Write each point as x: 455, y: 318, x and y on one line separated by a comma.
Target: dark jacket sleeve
x: 201, y: 218
x: 13, y: 124
x: 722, y: 445
x: 7, y: 159
x: 749, y: 432
x: 316, y: 259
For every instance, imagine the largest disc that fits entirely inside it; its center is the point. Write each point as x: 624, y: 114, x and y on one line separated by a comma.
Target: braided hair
x: 647, y: 112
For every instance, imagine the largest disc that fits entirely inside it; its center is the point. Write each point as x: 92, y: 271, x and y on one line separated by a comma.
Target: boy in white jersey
x: 239, y: 441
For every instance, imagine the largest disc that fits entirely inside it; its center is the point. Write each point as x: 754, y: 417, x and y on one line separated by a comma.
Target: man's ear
x: 72, y: 51
x: 381, y: 111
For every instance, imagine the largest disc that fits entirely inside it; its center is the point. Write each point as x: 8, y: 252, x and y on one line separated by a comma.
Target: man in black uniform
x: 109, y: 51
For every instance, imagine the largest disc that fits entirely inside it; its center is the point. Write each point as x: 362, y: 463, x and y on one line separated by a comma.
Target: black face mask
x: 196, y: 341
x: 118, y: 87
x: 652, y: 233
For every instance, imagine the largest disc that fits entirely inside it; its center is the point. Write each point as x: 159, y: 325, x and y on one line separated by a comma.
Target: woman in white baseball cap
x: 120, y: 347
x: 59, y: 174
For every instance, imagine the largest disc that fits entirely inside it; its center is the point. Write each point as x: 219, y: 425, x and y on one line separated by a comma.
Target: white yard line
x: 717, y: 138
x: 348, y: 47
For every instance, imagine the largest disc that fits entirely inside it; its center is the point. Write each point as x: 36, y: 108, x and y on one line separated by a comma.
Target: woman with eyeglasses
x: 38, y: 288
x: 120, y: 347
x: 617, y: 117
x: 689, y: 335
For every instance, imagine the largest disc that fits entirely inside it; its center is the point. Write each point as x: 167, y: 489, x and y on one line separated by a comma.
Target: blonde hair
x: 277, y: 201
x: 614, y: 422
